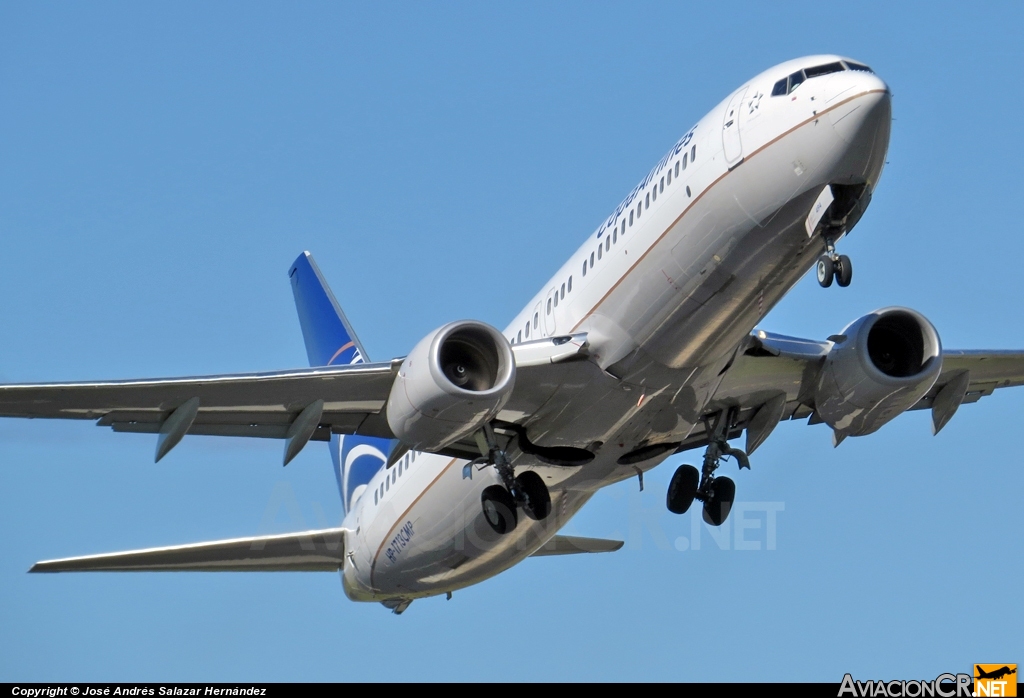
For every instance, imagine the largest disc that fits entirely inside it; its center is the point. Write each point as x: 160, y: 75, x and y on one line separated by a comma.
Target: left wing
x: 297, y: 405
x: 244, y: 404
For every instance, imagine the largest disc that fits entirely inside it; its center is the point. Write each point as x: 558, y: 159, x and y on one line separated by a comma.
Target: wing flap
x: 308, y: 551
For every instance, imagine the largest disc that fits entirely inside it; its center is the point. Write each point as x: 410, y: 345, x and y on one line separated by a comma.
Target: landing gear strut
x: 831, y: 265
x: 500, y: 503
x: 717, y: 493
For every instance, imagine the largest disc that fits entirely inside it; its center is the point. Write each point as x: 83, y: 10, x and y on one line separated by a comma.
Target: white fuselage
x: 665, y: 290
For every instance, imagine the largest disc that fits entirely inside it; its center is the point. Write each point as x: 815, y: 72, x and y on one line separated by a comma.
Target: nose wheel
x: 834, y: 266
x: 717, y: 493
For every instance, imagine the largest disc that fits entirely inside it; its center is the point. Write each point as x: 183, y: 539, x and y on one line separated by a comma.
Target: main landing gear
x: 501, y: 503
x: 834, y: 266
x: 717, y: 493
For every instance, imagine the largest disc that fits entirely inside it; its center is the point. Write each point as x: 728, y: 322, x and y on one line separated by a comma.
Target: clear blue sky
x: 162, y: 164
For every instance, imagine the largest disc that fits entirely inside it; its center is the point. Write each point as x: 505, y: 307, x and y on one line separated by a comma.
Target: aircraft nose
x: 867, y: 114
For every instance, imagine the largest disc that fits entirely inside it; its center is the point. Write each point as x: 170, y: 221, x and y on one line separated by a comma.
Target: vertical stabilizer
x: 331, y: 341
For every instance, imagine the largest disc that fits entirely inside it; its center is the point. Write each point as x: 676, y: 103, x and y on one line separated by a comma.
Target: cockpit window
x: 819, y: 70
x: 858, y: 66
x: 786, y: 85
x: 795, y: 80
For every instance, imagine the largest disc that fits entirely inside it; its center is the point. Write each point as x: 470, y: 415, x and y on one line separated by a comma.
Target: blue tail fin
x: 330, y: 340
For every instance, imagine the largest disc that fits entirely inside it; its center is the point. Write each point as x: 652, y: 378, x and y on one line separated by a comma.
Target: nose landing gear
x: 717, y: 493
x: 831, y: 265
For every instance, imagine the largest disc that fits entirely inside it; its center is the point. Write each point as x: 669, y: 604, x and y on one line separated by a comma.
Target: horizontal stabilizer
x: 571, y: 545
x: 308, y: 551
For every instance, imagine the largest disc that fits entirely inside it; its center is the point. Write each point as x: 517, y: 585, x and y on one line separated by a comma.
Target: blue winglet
x: 330, y: 340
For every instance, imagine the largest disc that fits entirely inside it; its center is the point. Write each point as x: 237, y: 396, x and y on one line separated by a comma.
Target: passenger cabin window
x: 631, y: 216
x: 647, y: 200
x: 519, y: 336
x: 654, y: 192
x: 536, y: 320
x: 527, y: 332
x: 684, y: 160
x: 375, y: 496
x: 570, y: 281
x: 623, y: 231
x: 639, y: 208
x: 584, y: 267
x: 661, y: 185
x: 607, y: 244
x: 549, y: 306
x: 615, y: 235
x: 670, y: 173
x: 693, y: 153
x: 677, y: 168
x: 599, y: 248
x: 592, y: 254
x: 562, y: 292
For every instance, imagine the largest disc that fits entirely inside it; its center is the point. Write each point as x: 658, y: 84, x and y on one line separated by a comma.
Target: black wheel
x: 499, y: 508
x: 844, y: 271
x: 826, y: 271
x: 716, y: 509
x: 539, y: 505
x: 682, y: 489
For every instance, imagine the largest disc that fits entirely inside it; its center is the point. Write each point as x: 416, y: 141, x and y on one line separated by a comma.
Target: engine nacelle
x: 879, y: 367
x: 457, y: 378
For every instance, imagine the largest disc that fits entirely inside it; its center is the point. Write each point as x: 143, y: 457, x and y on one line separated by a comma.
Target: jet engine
x: 457, y: 378
x: 879, y: 367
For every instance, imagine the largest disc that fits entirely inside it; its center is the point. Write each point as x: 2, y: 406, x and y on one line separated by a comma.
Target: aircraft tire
x: 537, y: 492
x: 716, y: 509
x: 682, y: 489
x: 499, y: 509
x: 844, y: 271
x: 826, y: 271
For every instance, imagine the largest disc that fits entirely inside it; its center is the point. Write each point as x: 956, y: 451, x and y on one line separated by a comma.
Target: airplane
x: 469, y: 454
x: 995, y: 674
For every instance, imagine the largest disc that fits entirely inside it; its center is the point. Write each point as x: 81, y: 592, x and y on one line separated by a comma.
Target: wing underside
x: 785, y: 369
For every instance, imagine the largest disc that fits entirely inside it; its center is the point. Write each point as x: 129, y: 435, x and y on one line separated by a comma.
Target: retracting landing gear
x: 831, y: 265
x: 500, y: 503
x: 717, y: 493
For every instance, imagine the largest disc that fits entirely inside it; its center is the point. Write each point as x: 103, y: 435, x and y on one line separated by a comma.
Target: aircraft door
x: 549, y: 313
x: 731, y: 130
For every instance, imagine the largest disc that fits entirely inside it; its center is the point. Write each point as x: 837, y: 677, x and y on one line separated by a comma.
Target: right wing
x: 781, y: 373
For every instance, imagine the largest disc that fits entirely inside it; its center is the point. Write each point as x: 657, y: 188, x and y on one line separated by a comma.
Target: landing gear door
x: 731, y: 130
